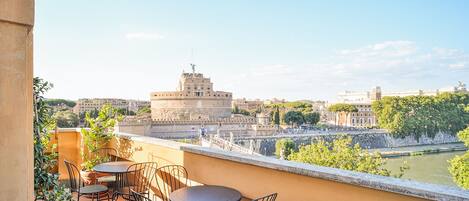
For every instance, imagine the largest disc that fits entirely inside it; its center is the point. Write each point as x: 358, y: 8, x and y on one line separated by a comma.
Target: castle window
x: 198, y: 93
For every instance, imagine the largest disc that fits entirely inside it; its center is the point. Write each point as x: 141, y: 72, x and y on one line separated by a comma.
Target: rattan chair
x: 270, y: 197
x: 77, y: 185
x: 108, y: 155
x: 138, y: 179
x: 173, y: 177
x: 138, y: 197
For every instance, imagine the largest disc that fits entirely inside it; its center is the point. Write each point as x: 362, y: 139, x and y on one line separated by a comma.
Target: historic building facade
x: 194, y: 99
x: 194, y: 108
x: 90, y: 104
x: 365, y: 117
x: 248, y: 105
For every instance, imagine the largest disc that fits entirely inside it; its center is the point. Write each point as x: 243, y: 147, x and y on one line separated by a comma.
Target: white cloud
x: 397, y: 64
x: 460, y: 65
x: 384, y: 49
x: 144, y: 36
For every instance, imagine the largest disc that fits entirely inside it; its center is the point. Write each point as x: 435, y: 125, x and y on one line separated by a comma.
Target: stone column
x: 16, y: 74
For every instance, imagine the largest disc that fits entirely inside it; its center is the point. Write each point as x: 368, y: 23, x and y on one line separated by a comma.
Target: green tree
x: 144, y: 110
x: 312, y: 118
x: 342, y: 107
x: 57, y: 102
x: 423, y: 115
x: 46, y: 183
x: 341, y: 154
x: 66, y: 119
x: 294, y: 117
x: 100, y: 132
x: 284, y: 147
x: 276, y: 118
x: 459, y: 165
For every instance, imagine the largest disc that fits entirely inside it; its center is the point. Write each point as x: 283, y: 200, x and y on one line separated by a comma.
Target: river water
x: 430, y: 168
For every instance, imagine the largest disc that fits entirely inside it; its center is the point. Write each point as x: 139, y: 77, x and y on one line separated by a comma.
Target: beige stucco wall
x: 16, y: 143
x: 251, y: 181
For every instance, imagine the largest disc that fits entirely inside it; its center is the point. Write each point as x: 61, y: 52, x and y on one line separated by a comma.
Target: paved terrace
x: 255, y: 176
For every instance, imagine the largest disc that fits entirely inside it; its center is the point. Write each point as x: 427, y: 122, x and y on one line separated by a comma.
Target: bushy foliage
x: 342, y: 154
x: 144, y: 110
x: 57, y: 102
x: 342, y: 107
x: 459, y: 165
x: 284, y: 147
x: 291, y: 105
x: 419, y: 115
x: 66, y: 119
x: 126, y: 112
x: 276, y: 117
x: 46, y: 183
x: 100, y: 132
x: 294, y: 117
x: 312, y: 118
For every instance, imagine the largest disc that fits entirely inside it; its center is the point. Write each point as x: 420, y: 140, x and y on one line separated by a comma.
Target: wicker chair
x: 138, y: 179
x: 77, y: 185
x: 138, y: 197
x: 270, y: 197
x: 173, y: 178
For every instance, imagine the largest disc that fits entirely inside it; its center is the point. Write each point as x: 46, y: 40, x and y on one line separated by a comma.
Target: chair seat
x: 107, y: 179
x: 93, y: 189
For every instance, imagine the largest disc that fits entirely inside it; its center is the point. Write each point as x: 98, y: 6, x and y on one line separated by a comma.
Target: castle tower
x: 194, y: 99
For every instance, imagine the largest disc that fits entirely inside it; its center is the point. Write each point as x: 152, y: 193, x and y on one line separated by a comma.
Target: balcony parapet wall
x: 254, y: 176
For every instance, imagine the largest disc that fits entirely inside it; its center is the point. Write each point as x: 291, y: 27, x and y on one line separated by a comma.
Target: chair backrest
x: 73, y: 176
x: 173, y: 178
x: 270, y: 197
x: 107, y: 154
x: 140, y: 176
x: 138, y: 196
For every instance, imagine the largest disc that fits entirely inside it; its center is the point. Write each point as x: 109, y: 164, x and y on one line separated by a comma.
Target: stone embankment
x: 370, y: 139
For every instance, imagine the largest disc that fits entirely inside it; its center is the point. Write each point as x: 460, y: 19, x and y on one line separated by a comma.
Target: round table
x: 113, y: 167
x: 205, y: 193
x: 119, y: 169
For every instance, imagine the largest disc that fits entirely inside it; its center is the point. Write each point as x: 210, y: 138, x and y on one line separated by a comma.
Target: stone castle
x: 194, y: 99
x: 193, y: 108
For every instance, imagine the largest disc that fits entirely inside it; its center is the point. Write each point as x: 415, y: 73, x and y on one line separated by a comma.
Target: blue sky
x: 255, y: 49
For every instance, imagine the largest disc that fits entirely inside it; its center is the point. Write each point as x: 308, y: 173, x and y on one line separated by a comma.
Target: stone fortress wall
x: 193, y: 107
x: 194, y: 99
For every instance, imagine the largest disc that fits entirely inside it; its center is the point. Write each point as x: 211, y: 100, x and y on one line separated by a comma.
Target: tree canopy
x: 341, y: 154
x: 57, y: 102
x: 291, y: 105
x: 419, y: 115
x: 144, y: 110
x: 342, y: 107
x: 312, y: 118
x: 459, y: 165
x: 284, y: 147
x: 294, y: 117
x: 66, y: 119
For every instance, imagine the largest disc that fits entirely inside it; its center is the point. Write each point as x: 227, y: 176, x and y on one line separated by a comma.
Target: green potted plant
x: 97, y: 136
